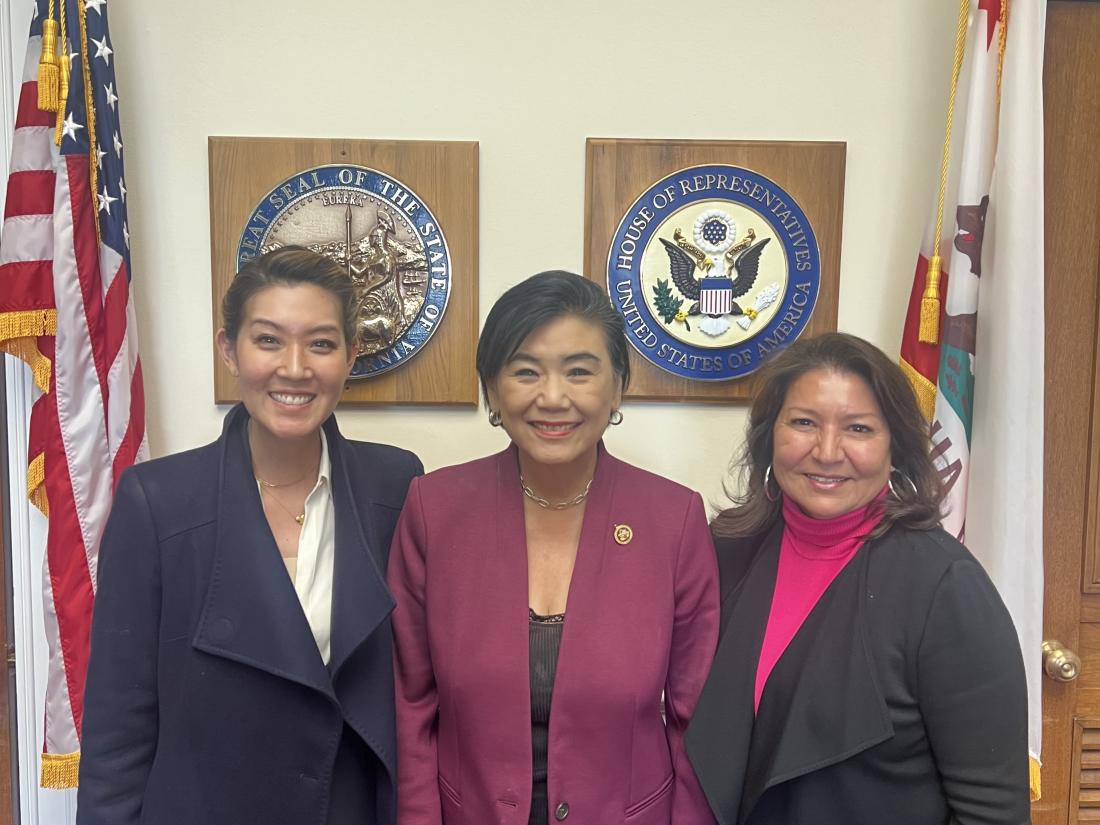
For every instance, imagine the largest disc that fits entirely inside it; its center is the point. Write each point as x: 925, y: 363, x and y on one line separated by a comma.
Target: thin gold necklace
x: 546, y: 504
x: 300, y: 518
x: 264, y: 483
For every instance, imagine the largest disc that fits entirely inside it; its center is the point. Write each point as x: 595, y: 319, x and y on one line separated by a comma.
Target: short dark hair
x: 290, y: 266
x: 541, y: 298
x: 916, y: 506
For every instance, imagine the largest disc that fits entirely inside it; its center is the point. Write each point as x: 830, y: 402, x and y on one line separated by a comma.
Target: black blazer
x: 207, y: 700
x: 901, y: 699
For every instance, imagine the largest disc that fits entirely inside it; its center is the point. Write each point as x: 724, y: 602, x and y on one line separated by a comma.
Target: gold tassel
x: 48, y: 78
x: 929, y: 332
x: 63, y: 89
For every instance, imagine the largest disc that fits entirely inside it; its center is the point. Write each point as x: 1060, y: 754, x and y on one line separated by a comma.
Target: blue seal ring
x: 652, y: 210
x: 398, y: 197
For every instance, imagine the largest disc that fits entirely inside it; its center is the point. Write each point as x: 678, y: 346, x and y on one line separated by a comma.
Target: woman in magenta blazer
x: 557, y: 609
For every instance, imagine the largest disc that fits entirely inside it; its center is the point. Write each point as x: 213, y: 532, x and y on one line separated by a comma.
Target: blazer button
x: 562, y: 811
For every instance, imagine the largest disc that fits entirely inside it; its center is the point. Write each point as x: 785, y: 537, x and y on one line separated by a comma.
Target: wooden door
x: 1071, y: 522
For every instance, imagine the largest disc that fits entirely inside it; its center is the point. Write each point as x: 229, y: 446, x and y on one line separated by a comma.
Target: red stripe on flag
x: 28, y: 113
x: 29, y: 193
x: 114, y: 315
x: 26, y: 285
x: 86, y: 252
x: 135, y: 427
x: 65, y: 554
x: 924, y: 358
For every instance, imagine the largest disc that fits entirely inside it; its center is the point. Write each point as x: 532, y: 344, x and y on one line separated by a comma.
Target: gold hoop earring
x: 909, y: 481
x: 767, y: 480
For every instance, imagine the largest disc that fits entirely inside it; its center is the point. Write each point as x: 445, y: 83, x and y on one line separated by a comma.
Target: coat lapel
x: 821, y: 704
x: 251, y: 613
x: 360, y: 599
x: 719, y: 737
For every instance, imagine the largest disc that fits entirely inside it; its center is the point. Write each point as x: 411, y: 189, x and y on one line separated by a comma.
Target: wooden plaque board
x: 443, y: 173
x: 619, y: 170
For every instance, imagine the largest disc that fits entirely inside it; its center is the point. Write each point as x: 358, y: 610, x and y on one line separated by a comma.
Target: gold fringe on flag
x: 929, y: 332
x: 36, y: 484
x: 1036, y: 784
x: 47, y: 65
x: 924, y: 389
x: 60, y: 770
x: 19, y: 332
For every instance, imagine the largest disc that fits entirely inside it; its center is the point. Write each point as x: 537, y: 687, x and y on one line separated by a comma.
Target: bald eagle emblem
x: 727, y: 272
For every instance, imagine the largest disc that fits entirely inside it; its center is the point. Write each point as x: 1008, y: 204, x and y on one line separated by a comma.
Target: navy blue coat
x: 207, y: 700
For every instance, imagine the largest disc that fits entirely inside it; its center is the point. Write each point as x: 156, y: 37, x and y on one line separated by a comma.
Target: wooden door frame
x: 1072, y: 239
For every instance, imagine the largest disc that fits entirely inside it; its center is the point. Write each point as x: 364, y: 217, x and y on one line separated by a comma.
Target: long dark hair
x: 539, y: 299
x: 915, y: 505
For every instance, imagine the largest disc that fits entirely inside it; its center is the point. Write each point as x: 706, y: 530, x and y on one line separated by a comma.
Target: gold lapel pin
x: 623, y: 533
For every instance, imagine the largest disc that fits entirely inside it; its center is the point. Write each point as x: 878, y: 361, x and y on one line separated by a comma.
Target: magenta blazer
x: 642, y: 620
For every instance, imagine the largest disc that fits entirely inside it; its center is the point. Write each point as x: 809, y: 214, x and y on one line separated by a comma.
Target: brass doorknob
x: 1060, y: 663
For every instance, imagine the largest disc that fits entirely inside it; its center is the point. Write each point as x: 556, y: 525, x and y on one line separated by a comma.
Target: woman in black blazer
x: 867, y: 672
x: 241, y: 662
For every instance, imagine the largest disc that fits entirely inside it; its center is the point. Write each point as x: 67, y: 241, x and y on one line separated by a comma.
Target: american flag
x: 66, y: 309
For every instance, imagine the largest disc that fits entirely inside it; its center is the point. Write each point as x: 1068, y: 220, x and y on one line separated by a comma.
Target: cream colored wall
x: 530, y: 81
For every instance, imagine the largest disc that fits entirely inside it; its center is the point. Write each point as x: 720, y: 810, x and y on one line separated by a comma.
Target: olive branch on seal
x: 668, y: 305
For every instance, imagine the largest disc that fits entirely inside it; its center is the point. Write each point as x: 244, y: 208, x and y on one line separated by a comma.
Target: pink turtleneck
x: 813, y: 552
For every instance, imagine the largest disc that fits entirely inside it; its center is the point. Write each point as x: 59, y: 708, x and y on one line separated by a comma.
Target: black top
x: 544, y: 642
x: 901, y: 699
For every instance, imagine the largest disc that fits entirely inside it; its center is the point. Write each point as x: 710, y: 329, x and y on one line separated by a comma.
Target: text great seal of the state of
x: 382, y: 234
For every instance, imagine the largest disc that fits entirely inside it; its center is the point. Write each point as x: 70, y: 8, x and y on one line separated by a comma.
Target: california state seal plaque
x: 713, y: 268
x: 384, y: 236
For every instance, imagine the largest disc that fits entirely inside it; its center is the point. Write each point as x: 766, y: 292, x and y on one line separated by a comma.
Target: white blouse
x: 312, y: 569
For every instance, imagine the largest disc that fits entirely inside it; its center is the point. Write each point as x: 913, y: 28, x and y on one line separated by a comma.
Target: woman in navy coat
x: 241, y: 657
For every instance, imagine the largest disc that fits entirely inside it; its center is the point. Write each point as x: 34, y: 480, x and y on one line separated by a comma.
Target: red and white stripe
x: 90, y: 423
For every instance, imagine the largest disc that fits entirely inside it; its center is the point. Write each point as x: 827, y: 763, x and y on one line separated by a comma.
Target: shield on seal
x: 716, y: 296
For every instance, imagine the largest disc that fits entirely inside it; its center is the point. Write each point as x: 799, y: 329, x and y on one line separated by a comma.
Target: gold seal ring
x: 623, y: 533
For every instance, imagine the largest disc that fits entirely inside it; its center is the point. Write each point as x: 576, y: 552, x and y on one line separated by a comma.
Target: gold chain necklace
x: 301, y: 517
x: 546, y: 504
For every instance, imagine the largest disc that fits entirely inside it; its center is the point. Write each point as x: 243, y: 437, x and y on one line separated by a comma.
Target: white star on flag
x: 102, y: 49
x: 94, y: 5
x: 126, y: 235
x: 118, y: 145
x: 105, y: 201
x: 99, y: 155
x: 69, y: 127
x: 109, y: 90
x: 121, y: 189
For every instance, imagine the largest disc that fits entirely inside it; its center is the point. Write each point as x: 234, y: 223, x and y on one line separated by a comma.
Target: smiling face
x: 290, y: 359
x: 831, y: 451
x: 555, y: 396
